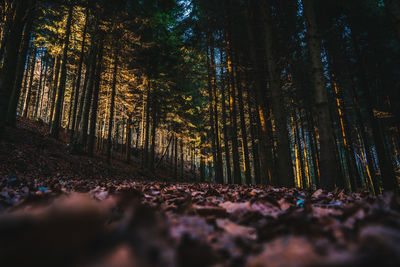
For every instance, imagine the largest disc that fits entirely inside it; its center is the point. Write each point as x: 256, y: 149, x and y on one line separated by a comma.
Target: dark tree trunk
x: 202, y: 159
x: 212, y: 120
x: 254, y: 141
x: 219, y: 167
x: 154, y: 123
x: 261, y: 107
x: 182, y: 161
x: 327, y: 159
x: 57, y: 116
x: 237, y: 176
x: 393, y: 8
x: 54, y: 87
x: 388, y: 176
x: 8, y: 71
x: 112, y: 104
x: 95, y: 101
x: 247, y: 168
x: 225, y: 127
x: 128, y: 138
x: 145, y: 155
x: 284, y: 163
x: 176, y: 157
x: 16, y: 92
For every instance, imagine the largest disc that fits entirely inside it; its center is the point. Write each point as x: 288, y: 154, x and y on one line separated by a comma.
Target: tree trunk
x: 212, y: 120
x: 176, y: 157
x: 153, y: 130
x: 182, y: 161
x: 388, y: 176
x: 145, y: 155
x: 237, y: 176
x: 128, y: 138
x: 202, y: 159
x: 56, y: 79
x: 393, y: 8
x: 247, y: 168
x: 79, y: 77
x: 8, y: 71
x: 39, y: 88
x: 29, y: 91
x: 95, y: 101
x: 327, y: 159
x: 254, y: 142
x: 225, y: 127
x: 57, y: 116
x: 43, y: 89
x: 20, y: 108
x: 16, y: 92
x: 219, y: 166
x: 284, y: 166
x: 112, y: 104
x: 261, y: 107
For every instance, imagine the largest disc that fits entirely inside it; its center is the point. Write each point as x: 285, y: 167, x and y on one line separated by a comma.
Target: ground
x: 58, y: 209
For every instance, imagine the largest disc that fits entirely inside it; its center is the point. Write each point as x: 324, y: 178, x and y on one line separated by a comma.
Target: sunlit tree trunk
x: 57, y: 116
x: 80, y: 137
x: 28, y: 95
x: 39, y: 88
x: 79, y: 74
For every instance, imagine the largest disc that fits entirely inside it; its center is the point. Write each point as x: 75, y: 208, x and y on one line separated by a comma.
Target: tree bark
x: 16, y: 92
x: 212, y: 120
x: 8, y: 71
x: 112, y: 104
x: 247, y: 168
x: 219, y: 166
x: 56, y: 79
x: 393, y: 8
x: 29, y: 91
x: 237, y: 176
x: 327, y: 159
x: 79, y: 73
x: 95, y: 101
x: 224, y: 125
x: 128, y: 138
x: 284, y: 166
x: 57, y: 116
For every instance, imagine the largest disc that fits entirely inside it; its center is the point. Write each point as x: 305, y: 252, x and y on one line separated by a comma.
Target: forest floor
x: 58, y: 209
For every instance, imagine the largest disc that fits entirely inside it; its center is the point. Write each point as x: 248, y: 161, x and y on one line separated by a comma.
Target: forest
x: 200, y: 132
